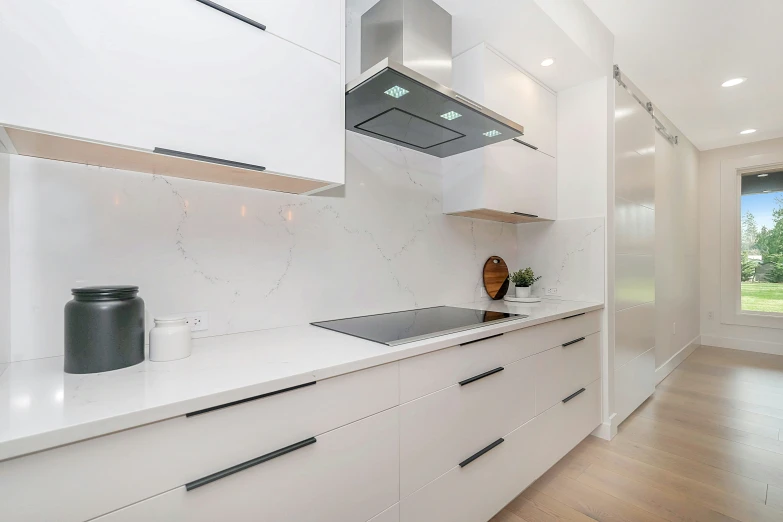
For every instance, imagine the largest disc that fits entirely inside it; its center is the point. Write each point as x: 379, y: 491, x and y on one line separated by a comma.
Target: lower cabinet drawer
x: 89, y: 478
x: 567, y: 423
x: 440, y: 430
x: 475, y: 492
x: 434, y: 371
x: 350, y: 474
x: 390, y: 515
x: 566, y: 368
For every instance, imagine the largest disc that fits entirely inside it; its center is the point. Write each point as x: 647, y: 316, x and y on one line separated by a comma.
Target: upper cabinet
x: 233, y: 103
x: 513, y: 181
x: 313, y: 24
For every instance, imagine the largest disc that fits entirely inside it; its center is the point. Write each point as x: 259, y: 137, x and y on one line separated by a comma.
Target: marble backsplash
x: 568, y: 255
x: 252, y: 259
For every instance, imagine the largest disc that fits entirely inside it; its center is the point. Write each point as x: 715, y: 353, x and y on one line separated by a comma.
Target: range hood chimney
x: 403, y: 95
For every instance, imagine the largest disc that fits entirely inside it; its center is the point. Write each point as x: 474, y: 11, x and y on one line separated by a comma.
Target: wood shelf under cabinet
x: 39, y: 144
x: 496, y: 215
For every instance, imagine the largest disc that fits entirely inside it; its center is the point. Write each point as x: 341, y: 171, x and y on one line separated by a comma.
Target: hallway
x: 707, y: 446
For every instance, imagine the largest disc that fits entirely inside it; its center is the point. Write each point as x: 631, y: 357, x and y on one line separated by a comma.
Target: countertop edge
x: 79, y: 432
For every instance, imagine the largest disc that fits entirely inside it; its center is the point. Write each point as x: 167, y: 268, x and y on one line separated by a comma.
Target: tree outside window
x: 762, y: 243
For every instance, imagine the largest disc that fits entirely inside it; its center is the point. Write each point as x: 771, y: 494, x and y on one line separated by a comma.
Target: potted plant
x: 523, y: 280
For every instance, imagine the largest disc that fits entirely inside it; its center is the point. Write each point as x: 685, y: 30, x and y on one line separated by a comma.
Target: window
x: 761, y: 242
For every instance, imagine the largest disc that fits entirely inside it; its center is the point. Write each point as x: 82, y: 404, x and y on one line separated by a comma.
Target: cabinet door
x: 520, y: 179
x: 313, y: 24
x: 174, y: 75
x: 348, y: 475
x: 515, y: 95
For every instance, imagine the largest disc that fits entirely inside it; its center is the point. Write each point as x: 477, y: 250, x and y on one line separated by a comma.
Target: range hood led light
x: 451, y: 115
x: 492, y: 133
x: 396, y: 92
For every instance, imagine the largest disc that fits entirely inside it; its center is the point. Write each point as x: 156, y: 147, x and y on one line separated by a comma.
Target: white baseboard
x: 607, y: 430
x: 743, y: 344
x: 674, y: 361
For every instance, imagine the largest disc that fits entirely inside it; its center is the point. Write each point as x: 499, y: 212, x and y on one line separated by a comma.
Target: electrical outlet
x: 674, y: 328
x: 551, y: 291
x: 710, y: 315
x: 483, y: 292
x: 198, y: 321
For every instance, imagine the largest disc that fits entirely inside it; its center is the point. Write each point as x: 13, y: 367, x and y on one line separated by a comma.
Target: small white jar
x: 170, y: 339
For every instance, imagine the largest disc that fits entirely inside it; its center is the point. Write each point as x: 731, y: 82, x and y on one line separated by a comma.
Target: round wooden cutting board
x: 496, y: 277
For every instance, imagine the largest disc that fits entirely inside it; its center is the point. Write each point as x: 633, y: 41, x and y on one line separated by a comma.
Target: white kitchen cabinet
x: 505, y: 182
x: 479, y: 490
x: 312, y: 24
x: 177, y: 75
x: 350, y: 474
x: 440, y: 430
x: 565, y: 369
x: 508, y: 181
x: 435, y: 371
x: 79, y: 483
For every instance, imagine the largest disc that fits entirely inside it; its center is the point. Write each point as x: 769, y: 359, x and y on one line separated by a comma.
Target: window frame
x: 732, y: 172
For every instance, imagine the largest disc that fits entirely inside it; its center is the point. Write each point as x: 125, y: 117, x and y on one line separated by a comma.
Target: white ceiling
x: 678, y: 52
x: 518, y: 29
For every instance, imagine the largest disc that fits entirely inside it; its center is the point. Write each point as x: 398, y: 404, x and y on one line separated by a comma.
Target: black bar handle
x: 482, y: 339
x: 571, y: 316
x: 236, y: 15
x: 523, y: 214
x: 569, y: 343
x: 526, y: 144
x: 254, y: 398
x: 480, y: 453
x: 481, y: 376
x: 208, y: 159
x: 573, y: 395
x: 249, y: 464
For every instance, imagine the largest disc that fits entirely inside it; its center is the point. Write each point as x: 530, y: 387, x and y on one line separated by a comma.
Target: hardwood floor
x: 707, y: 446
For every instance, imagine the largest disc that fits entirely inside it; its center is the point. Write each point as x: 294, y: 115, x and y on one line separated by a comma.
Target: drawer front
x: 479, y: 490
x: 89, y: 478
x: 566, y: 368
x: 568, y: 423
x: 436, y: 370
x: 390, y: 515
x: 444, y: 428
x: 348, y: 475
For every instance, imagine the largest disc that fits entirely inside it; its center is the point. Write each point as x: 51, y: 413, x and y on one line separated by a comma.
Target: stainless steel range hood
x: 402, y: 95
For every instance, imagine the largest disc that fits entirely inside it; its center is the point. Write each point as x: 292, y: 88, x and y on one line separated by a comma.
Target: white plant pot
x: 523, y: 291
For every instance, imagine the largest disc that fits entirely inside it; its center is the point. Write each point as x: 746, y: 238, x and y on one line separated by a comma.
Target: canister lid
x: 101, y: 293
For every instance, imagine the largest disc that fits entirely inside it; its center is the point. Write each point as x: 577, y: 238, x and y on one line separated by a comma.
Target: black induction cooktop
x: 414, y: 325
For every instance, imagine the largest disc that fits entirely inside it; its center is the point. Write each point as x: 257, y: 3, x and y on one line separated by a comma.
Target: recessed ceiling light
x: 763, y: 175
x: 492, y: 133
x: 396, y: 92
x: 451, y: 115
x: 748, y: 131
x: 547, y: 62
x: 733, y: 82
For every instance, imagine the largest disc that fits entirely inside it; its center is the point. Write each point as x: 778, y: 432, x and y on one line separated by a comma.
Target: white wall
x: 253, y: 259
x: 713, y: 332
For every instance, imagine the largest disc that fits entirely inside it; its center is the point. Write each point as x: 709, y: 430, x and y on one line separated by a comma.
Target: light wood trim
x: 64, y: 148
x: 496, y: 215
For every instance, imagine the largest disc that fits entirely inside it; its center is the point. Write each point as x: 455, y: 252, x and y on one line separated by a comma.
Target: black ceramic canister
x: 104, y: 329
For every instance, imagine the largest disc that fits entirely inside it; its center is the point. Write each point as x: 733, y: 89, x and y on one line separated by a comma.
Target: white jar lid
x: 171, y: 320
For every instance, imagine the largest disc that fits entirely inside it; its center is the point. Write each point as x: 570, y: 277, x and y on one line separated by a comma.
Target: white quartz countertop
x: 42, y: 407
